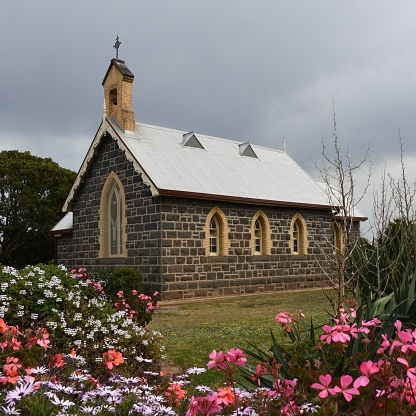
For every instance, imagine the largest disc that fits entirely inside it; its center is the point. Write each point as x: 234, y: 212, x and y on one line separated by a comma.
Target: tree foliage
x: 32, y: 193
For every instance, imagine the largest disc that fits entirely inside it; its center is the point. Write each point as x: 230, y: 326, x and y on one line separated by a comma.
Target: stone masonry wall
x: 188, y: 272
x: 142, y: 219
x: 64, y: 250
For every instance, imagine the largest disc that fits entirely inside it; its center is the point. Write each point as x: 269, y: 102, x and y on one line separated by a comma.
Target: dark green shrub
x: 120, y: 278
x: 123, y: 286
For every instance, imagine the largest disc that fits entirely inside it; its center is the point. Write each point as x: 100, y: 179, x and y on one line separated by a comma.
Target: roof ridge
x: 206, y: 136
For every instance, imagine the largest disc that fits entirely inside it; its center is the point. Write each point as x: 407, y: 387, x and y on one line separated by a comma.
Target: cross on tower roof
x: 117, y: 45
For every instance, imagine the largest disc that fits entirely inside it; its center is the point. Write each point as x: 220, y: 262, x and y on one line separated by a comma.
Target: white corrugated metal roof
x: 219, y: 169
x: 65, y: 223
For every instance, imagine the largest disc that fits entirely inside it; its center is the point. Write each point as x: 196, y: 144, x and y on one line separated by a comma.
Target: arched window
x: 216, y: 234
x: 260, y: 234
x: 213, y: 237
x: 115, y: 221
x: 112, y: 218
x: 298, y: 235
x: 258, y: 237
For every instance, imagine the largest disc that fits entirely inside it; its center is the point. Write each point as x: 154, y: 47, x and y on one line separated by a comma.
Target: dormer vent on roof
x: 190, y: 140
x: 246, y: 150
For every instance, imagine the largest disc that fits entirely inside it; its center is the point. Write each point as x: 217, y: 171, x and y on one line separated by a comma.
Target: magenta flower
x: 406, y: 338
x: 384, y: 344
x: 347, y: 392
x: 410, y: 371
x: 367, y: 368
x: 327, y: 337
x: 324, y: 386
x: 353, y: 330
x: 339, y: 333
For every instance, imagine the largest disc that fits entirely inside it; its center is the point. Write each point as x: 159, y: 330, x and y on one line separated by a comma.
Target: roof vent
x: 190, y: 140
x: 246, y: 150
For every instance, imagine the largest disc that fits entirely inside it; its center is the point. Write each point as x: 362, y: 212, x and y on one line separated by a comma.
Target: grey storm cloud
x: 256, y: 71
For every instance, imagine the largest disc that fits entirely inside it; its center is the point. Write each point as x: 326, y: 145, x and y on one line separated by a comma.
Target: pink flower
x: 324, y: 386
x: 410, y: 371
x: 366, y: 324
x: 236, y: 356
x: 339, y: 332
x: 218, y: 360
x: 203, y: 405
x: 347, y: 392
x: 384, y: 344
x: 44, y: 341
x: 284, y: 319
x: 406, y: 338
x: 353, y: 330
x: 367, y: 368
x: 15, y: 344
x: 327, y: 337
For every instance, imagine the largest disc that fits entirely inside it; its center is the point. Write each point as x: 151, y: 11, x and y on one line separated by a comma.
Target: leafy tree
x: 32, y: 193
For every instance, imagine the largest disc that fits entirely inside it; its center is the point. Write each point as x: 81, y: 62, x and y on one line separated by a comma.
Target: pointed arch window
x: 258, y: 237
x: 213, y: 237
x: 112, y: 218
x: 260, y: 243
x: 216, y: 234
x: 298, y: 235
x: 115, y: 221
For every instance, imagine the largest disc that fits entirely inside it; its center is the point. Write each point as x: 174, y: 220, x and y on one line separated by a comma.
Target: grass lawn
x: 192, y: 330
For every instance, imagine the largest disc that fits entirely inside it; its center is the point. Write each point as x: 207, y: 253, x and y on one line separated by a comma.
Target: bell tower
x: 117, y: 83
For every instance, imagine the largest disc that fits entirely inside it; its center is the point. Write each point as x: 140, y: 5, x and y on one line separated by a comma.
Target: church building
x: 197, y: 215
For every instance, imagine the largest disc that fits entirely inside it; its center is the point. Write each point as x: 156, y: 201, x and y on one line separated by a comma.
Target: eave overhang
x: 350, y: 218
x: 58, y: 233
x: 197, y: 195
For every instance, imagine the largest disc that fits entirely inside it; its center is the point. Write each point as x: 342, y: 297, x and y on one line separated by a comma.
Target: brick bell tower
x: 118, y: 98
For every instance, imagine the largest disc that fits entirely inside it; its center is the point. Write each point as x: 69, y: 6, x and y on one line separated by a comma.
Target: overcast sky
x: 255, y: 71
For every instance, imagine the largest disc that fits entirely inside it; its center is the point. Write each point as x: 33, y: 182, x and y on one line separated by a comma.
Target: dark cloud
x: 246, y: 70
